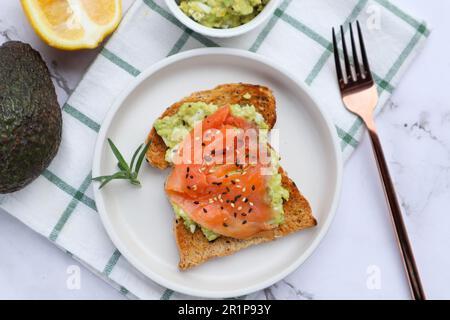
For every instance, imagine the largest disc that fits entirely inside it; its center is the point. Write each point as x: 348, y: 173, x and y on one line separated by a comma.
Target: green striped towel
x: 60, y: 204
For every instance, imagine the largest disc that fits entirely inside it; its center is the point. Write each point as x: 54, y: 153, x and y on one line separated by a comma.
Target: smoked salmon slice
x: 220, y: 177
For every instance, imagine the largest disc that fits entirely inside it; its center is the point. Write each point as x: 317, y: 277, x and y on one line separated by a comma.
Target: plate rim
x: 101, y: 139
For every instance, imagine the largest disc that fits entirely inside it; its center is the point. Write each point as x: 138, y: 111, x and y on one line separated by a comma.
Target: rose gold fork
x: 360, y: 96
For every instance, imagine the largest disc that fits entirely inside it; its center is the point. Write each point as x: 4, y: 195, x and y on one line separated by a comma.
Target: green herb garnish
x: 127, y: 172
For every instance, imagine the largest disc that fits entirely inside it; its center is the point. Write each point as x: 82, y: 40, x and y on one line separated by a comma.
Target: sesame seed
x: 239, y: 208
x: 243, y: 214
x: 225, y: 225
x: 250, y: 210
x: 244, y: 189
x: 196, y: 202
x: 251, y: 204
x: 244, y: 199
x: 235, y: 214
x: 244, y: 222
x: 237, y: 180
x: 238, y: 186
x: 232, y: 205
x: 204, y: 210
x: 253, y: 187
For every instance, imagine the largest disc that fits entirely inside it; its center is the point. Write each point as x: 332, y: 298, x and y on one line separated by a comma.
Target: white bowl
x: 223, y: 33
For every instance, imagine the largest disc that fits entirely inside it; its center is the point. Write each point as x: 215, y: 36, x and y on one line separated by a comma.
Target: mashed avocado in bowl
x: 222, y: 14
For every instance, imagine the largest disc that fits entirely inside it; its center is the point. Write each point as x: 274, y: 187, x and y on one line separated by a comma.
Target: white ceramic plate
x: 139, y: 220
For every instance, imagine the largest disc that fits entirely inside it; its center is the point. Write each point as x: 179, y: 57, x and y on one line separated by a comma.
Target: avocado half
x: 30, y: 116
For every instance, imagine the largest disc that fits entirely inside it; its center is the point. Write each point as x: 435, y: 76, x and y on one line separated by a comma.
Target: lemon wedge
x: 73, y: 24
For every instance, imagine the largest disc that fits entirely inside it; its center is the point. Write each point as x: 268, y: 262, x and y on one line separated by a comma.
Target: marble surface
x: 358, y: 258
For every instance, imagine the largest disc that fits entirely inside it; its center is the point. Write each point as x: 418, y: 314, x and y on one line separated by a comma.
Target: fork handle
x: 396, y: 214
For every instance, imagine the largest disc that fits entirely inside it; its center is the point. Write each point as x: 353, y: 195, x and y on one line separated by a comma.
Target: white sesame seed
x: 237, y: 180
x: 240, y: 208
x: 232, y: 205
x: 244, y: 198
x: 251, y: 204
x: 238, y: 186
x: 244, y: 189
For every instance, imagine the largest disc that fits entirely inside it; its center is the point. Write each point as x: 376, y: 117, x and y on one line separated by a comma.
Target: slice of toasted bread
x: 259, y: 96
x: 195, y: 249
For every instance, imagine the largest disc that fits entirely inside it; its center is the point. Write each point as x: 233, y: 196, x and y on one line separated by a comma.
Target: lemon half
x: 73, y: 24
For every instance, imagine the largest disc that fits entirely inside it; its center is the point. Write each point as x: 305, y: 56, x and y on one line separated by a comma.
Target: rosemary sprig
x: 127, y: 172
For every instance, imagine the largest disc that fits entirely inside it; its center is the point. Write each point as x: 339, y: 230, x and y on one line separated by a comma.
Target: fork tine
x: 355, y: 54
x: 368, y: 73
x: 337, y: 59
x: 348, y: 69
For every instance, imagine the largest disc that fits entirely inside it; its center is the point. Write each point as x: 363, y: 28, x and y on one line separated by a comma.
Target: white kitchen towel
x: 60, y: 203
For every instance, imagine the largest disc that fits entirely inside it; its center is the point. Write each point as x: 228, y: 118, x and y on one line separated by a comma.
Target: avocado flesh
x: 30, y: 116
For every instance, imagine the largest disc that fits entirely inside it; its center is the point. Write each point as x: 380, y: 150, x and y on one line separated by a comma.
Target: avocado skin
x: 30, y: 116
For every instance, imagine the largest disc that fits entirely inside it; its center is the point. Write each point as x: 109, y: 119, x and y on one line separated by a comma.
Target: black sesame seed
x: 225, y: 225
x: 233, y: 182
x: 243, y: 214
x: 196, y: 202
x: 221, y: 208
x: 189, y: 188
x: 192, y: 177
x: 237, y: 197
x: 253, y: 187
x: 244, y: 222
x: 187, y: 169
x: 250, y: 210
x: 204, y: 210
x: 246, y: 200
x: 235, y: 214
x: 228, y: 189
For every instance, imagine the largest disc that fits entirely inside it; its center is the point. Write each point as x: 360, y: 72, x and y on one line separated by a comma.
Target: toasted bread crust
x: 261, y: 97
x: 195, y: 249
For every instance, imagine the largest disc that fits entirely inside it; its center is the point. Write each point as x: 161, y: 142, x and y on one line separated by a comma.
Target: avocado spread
x: 222, y: 14
x: 173, y: 129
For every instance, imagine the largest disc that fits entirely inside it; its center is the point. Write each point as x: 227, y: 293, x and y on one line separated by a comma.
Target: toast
x: 194, y: 248
x: 261, y: 98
